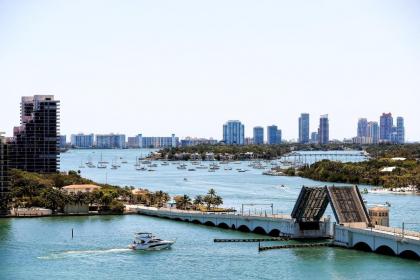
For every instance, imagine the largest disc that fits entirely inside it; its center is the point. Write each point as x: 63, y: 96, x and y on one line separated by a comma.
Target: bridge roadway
x: 380, y: 239
x: 274, y: 225
x: 385, y: 240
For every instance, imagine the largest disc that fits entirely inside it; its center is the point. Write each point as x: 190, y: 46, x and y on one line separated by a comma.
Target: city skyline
x: 261, y: 64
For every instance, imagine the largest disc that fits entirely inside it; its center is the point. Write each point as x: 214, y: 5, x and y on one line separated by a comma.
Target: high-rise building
x: 133, y: 142
x: 362, y: 127
x: 385, y: 127
x: 63, y: 141
x: 314, y: 137
x: 158, y: 142
x: 373, y: 132
x: 304, y: 128
x: 258, y: 135
x: 82, y: 141
x: 234, y: 133
x: 110, y: 141
x: 4, y: 179
x: 34, y: 146
x: 189, y: 141
x: 249, y: 141
x: 272, y: 134
x: 278, y: 136
x: 324, y: 130
x: 400, y: 130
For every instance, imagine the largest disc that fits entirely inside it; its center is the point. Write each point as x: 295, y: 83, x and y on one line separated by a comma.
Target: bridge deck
x: 347, y: 205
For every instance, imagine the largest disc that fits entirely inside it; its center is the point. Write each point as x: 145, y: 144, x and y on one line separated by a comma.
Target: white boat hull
x: 153, y: 247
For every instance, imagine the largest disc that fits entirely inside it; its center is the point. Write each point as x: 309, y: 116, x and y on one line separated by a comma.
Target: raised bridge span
x: 352, y: 229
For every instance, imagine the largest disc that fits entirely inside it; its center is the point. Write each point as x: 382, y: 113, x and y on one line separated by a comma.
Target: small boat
x: 101, y: 165
x: 191, y: 169
x: 147, y: 241
x: 202, y: 167
x: 185, y: 179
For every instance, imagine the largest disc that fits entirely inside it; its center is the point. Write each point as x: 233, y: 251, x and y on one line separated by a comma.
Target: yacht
x: 101, y: 165
x: 148, y: 241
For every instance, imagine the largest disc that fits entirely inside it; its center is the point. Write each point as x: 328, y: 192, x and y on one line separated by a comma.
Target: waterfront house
x: 86, y: 188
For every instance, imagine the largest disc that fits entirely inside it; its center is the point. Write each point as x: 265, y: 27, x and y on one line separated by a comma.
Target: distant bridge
x: 310, y: 158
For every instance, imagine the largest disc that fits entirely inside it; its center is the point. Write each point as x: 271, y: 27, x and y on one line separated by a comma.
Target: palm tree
x: 183, y: 202
x: 198, y: 200
x: 209, y: 198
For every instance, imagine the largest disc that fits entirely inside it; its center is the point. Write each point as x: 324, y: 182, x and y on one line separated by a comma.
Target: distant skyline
x: 187, y: 67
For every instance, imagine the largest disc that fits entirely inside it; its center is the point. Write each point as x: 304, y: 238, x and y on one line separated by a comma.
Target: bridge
x: 310, y: 158
x: 273, y: 225
x: 352, y: 229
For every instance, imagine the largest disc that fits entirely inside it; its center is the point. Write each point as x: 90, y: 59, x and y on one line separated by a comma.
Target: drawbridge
x: 346, y: 203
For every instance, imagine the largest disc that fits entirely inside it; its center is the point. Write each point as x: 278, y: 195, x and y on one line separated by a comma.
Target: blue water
x: 42, y: 248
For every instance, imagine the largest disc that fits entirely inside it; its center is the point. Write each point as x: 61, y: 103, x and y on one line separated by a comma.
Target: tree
x: 209, y: 199
x: 53, y: 199
x: 182, y: 202
x: 198, y: 200
x: 117, y: 206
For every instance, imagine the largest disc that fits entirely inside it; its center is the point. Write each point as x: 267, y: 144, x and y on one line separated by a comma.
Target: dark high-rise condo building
x: 324, y: 130
x: 35, y: 143
x: 385, y: 127
x: 273, y: 135
x: 4, y: 180
x: 362, y: 127
x: 258, y: 135
x: 234, y: 133
x: 400, y: 130
x: 304, y: 128
x: 373, y: 132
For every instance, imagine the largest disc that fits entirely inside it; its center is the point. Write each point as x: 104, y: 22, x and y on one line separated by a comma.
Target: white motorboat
x: 147, y: 241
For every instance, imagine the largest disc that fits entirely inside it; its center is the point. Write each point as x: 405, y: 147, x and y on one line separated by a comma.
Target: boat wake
x: 82, y: 253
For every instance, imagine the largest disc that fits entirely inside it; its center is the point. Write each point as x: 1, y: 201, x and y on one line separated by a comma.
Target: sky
x: 186, y: 67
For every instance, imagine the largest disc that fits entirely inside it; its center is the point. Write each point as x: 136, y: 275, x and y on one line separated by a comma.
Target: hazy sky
x: 157, y: 67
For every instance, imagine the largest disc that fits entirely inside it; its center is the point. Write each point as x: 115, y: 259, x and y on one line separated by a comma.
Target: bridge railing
x: 250, y: 214
x: 398, y: 231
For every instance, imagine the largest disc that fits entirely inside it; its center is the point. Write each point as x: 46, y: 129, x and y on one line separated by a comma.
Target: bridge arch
x: 209, y: 223
x: 385, y: 250
x: 408, y: 254
x: 274, y: 233
x: 197, y: 222
x: 259, y: 230
x: 223, y: 225
x: 178, y: 219
x: 362, y: 246
x: 244, y: 228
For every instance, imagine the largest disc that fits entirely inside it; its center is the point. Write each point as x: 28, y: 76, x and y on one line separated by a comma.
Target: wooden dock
x: 289, y: 246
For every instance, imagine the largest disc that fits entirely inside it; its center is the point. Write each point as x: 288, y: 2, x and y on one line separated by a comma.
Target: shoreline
x: 68, y: 215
